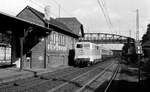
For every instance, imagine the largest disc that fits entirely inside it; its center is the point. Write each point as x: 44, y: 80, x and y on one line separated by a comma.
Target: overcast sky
x: 122, y: 13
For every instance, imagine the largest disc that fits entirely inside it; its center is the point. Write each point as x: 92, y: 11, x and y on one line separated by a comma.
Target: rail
x: 60, y: 86
x: 113, y: 77
x: 95, y: 78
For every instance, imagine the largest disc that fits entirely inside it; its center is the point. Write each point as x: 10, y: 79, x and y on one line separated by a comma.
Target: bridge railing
x: 105, y: 38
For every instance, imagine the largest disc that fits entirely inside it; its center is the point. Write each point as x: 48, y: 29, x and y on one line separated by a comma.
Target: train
x: 87, y: 53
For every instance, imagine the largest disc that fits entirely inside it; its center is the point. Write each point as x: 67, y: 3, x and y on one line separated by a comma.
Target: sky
x: 122, y: 13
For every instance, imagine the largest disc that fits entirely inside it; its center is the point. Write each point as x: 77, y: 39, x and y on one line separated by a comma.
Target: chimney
x: 47, y: 12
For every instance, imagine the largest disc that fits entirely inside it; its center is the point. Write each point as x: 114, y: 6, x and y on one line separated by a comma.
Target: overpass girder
x: 104, y: 38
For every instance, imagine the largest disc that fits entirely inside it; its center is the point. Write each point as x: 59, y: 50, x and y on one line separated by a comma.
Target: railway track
x: 80, y: 83
x: 24, y: 82
x: 56, y: 81
x: 103, y: 82
x: 117, y: 70
x: 83, y: 88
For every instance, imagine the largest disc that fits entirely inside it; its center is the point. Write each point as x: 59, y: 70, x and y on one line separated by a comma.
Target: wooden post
x: 21, y: 52
x: 25, y: 33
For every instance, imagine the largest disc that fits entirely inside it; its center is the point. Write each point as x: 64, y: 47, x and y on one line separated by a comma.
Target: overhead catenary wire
x: 107, y: 14
x: 103, y: 12
x: 107, y: 18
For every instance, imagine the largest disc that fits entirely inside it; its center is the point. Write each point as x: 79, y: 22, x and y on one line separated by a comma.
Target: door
x: 27, y: 63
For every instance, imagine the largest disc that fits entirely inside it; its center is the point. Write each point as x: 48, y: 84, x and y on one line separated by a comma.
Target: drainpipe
x: 45, y: 51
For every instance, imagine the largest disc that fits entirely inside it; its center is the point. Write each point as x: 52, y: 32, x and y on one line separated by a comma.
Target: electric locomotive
x: 87, y: 53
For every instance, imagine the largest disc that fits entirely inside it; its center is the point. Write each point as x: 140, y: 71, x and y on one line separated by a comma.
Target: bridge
x: 105, y: 38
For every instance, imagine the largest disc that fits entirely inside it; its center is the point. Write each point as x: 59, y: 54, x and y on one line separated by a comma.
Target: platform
x: 12, y: 74
x: 131, y: 80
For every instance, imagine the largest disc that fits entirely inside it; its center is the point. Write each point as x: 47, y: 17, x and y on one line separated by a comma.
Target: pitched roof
x: 8, y: 21
x: 56, y: 23
x: 52, y: 22
x: 69, y: 19
x: 36, y: 12
x: 70, y: 22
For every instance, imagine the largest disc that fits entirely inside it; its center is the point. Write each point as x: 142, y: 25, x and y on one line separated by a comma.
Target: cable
x: 104, y: 5
x: 107, y: 14
x: 103, y: 11
x: 39, y: 5
x: 60, y: 6
x: 42, y: 6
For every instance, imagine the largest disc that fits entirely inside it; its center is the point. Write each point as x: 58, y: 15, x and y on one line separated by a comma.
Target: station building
x: 45, y: 45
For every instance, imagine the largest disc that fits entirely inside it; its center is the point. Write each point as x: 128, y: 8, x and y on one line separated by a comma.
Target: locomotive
x: 87, y: 53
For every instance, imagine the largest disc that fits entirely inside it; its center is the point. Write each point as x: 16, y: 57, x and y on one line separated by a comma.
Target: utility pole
x: 138, y: 47
x: 59, y: 10
x: 137, y: 25
x: 129, y: 33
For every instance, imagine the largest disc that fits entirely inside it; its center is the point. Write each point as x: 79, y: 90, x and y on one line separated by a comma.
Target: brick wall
x: 30, y: 16
x: 37, y: 56
x: 57, y: 45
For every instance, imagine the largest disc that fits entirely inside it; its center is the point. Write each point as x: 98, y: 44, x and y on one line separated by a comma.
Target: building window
x: 54, y: 38
x: 64, y: 40
x: 61, y: 40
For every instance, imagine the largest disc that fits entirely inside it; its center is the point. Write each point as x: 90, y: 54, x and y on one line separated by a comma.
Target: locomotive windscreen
x: 79, y: 46
x: 86, y: 45
x: 83, y: 46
